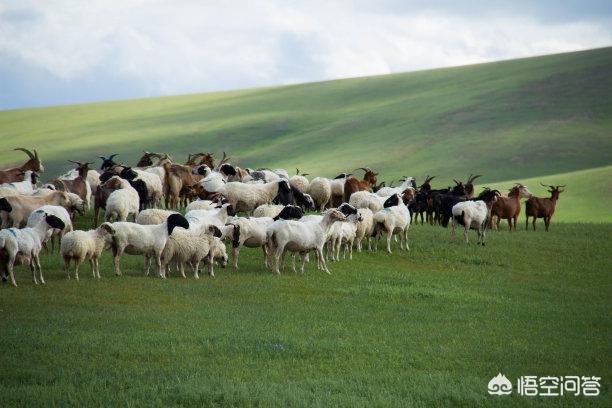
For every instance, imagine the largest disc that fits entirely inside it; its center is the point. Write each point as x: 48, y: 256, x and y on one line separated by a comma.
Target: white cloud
x: 188, y: 46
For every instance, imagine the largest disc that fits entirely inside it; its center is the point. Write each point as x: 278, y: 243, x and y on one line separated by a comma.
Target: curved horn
x: 76, y: 162
x: 456, y: 182
x: 112, y: 156
x: 26, y: 151
x: 297, y: 171
x: 562, y: 186
x: 361, y: 168
x: 472, y: 178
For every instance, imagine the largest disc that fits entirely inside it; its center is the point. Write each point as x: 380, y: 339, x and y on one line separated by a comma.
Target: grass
x: 518, y: 119
x: 424, y: 328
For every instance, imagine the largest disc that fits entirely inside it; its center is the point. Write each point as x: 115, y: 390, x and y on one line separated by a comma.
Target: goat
x: 474, y: 213
x: 537, y: 207
x: 25, y: 187
x: 393, y: 219
x: 16, y: 173
x: 509, y: 207
x: 78, y: 185
x: 19, y: 208
x: 352, y: 184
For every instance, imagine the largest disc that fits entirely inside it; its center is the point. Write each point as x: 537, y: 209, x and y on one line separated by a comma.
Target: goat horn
x: 472, y: 178
x: 456, y: 182
x: 362, y: 168
x: 561, y: 186
x: 297, y: 171
x: 75, y: 162
x: 29, y: 153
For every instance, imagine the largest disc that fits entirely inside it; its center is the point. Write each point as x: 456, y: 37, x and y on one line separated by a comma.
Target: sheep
x: 537, y: 207
x: 22, y: 246
x: 338, y: 185
x: 296, y: 197
x: 147, y: 240
x: 365, y: 199
x: 393, y: 219
x: 365, y: 228
x: 202, y: 219
x: 247, y: 197
x: 474, y: 213
x: 155, y: 188
x: 80, y: 246
x: 299, y: 181
x: 343, y: 232
x: 267, y: 210
x: 25, y: 187
x: 301, y: 237
x: 122, y: 202
x: 205, y: 204
x: 16, y: 209
x: 188, y: 246
x: 16, y: 173
x: 153, y: 216
x: 265, y: 175
x: 60, y: 212
x: 320, y: 189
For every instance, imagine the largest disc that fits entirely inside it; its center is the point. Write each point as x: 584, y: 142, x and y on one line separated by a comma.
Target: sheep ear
x: 108, y: 228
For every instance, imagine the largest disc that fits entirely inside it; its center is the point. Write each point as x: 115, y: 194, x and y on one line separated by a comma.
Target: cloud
x: 171, y: 47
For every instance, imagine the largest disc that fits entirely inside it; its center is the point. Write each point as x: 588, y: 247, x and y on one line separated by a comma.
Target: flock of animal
x: 272, y: 205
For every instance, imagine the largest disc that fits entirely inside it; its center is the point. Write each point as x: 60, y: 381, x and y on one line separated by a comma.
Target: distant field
x: 520, y: 118
x: 424, y: 328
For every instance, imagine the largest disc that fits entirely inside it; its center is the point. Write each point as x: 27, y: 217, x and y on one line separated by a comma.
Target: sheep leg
x: 454, y: 227
x: 235, y: 254
x: 465, y: 233
x: 36, y: 261
x: 293, y: 262
x: 389, y: 233
x: 33, y: 270
x: 10, y: 266
x: 147, y: 265
x: 278, y: 251
x: 161, y: 272
x: 117, y: 252
x: 482, y: 234
x: 196, y: 266
x: 211, y: 264
x: 303, y: 256
x: 76, y: 268
x: 182, y: 268
x: 67, y: 266
x: 323, y: 263
x: 265, y: 254
x: 92, y: 263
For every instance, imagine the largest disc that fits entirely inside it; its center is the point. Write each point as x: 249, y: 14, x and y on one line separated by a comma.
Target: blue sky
x: 61, y: 51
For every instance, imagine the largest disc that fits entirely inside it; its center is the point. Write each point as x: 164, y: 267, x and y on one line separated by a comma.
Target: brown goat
x: 352, y: 184
x: 177, y: 177
x: 146, y: 158
x: 508, y: 208
x: 16, y: 173
x: 78, y: 185
x: 537, y: 207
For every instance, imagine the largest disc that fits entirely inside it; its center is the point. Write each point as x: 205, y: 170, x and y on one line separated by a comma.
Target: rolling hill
x: 542, y: 118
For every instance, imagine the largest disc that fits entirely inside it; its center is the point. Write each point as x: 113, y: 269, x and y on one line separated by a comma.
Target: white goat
x: 389, y: 191
x: 302, y: 237
x: 474, y: 214
x: 25, y: 187
x: 147, y: 240
x: 80, y: 246
x: 22, y: 246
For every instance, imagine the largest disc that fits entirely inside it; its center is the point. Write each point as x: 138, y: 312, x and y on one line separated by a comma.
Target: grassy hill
x: 517, y: 119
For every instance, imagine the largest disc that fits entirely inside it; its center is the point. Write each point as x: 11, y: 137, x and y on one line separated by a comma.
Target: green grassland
x: 424, y: 328
x: 508, y: 120
x: 429, y: 327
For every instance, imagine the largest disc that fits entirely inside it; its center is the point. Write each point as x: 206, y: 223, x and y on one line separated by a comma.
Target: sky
x: 72, y: 51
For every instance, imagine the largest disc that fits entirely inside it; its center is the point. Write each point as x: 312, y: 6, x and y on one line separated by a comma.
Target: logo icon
x: 500, y: 385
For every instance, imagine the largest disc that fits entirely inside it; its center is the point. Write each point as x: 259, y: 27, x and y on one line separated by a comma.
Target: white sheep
x: 268, y: 210
x: 155, y: 188
x: 302, y: 237
x: 365, y: 199
x: 80, y: 246
x: 246, y: 197
x: 348, y: 233
x: 153, y: 216
x: 202, y: 219
x: 393, y: 220
x: 251, y: 233
x: 147, y: 240
x: 60, y: 212
x: 365, y: 228
x: 191, y: 247
x: 320, y: 191
x: 299, y: 182
x: 201, y: 205
x: 122, y: 202
x: 22, y: 246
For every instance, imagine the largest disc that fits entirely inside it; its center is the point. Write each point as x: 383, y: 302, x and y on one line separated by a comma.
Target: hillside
x: 508, y: 120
